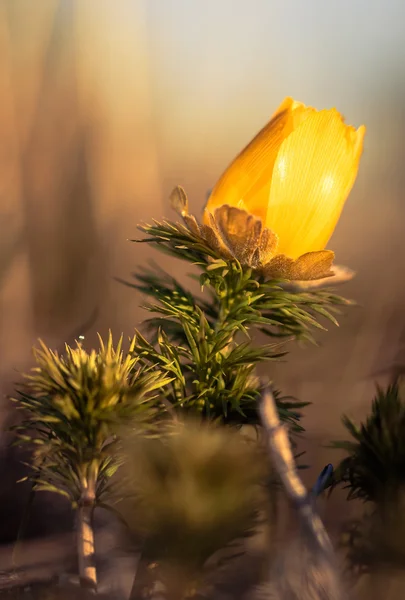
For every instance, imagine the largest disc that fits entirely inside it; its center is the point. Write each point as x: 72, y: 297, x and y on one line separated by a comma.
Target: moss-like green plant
x: 74, y: 405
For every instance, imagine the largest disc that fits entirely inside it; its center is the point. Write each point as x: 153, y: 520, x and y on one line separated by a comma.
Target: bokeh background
x: 105, y: 106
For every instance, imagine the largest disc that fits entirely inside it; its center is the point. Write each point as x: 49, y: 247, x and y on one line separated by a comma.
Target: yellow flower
x: 278, y: 203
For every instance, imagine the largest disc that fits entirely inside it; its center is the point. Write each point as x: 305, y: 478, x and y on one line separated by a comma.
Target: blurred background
x: 105, y: 106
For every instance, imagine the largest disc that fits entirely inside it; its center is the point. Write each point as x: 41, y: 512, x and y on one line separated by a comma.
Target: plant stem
x: 85, y: 537
x: 285, y: 466
x: 320, y: 578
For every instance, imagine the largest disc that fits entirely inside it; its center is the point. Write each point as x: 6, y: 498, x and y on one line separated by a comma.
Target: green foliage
x: 204, y: 341
x: 235, y: 292
x: 374, y: 468
x: 74, y: 405
x: 214, y: 379
x: 193, y: 492
x: 374, y: 471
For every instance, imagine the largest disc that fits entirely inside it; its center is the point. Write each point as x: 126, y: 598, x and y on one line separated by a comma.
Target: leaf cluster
x: 374, y: 468
x: 204, y: 340
x: 374, y: 471
x: 193, y: 492
x: 74, y: 405
x: 211, y: 374
x: 236, y: 290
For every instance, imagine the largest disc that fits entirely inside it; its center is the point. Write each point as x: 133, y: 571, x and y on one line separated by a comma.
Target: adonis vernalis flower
x: 276, y: 206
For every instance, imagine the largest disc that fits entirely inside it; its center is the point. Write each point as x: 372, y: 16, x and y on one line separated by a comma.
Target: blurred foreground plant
x: 191, y: 493
x: 74, y: 405
x: 197, y: 490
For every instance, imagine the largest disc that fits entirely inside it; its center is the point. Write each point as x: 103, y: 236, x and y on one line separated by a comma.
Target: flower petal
x: 313, y: 265
x: 213, y: 238
x: 246, y: 181
x: 314, y: 172
x: 214, y: 241
x: 310, y: 266
x: 240, y: 231
x: 340, y: 275
x: 267, y: 246
x: 278, y: 268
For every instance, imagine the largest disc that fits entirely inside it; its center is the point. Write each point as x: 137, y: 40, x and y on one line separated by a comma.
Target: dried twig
x: 309, y: 569
x: 284, y: 463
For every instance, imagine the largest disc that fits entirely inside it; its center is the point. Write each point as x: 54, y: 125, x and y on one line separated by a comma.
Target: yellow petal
x: 313, y: 174
x: 246, y: 182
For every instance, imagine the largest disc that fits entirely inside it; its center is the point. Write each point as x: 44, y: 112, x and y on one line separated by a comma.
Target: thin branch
x: 280, y: 448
